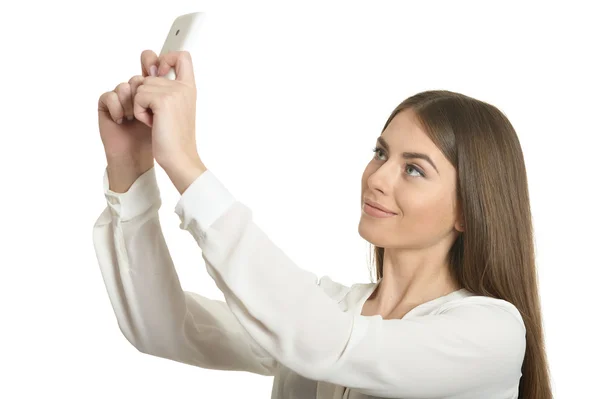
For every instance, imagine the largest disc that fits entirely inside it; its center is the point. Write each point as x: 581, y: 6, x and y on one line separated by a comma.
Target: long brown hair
x: 494, y: 256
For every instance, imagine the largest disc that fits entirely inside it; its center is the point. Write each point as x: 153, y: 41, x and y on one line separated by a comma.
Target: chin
x: 372, y: 234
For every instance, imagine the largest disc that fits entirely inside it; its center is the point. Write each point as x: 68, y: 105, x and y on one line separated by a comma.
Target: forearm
x: 152, y: 310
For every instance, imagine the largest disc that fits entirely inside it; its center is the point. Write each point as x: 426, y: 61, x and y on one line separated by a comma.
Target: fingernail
x: 120, y: 120
x: 130, y: 117
x: 153, y: 70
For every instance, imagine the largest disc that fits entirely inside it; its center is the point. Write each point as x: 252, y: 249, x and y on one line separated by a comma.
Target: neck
x: 410, y: 280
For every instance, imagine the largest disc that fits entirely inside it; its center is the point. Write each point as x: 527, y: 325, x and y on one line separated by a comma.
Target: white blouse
x: 283, y: 321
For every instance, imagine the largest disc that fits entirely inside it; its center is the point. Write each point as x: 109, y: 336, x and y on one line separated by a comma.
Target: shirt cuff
x: 141, y: 196
x: 202, y: 203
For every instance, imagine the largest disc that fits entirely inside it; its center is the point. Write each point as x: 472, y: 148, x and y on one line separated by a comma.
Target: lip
x: 379, y: 206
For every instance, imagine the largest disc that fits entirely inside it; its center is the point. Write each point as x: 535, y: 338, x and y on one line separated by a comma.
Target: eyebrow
x: 408, y: 155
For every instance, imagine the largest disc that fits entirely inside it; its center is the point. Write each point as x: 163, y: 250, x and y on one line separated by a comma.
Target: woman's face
x: 422, y: 195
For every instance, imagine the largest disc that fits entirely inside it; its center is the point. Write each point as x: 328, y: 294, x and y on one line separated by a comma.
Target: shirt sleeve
x: 466, y: 348
x: 152, y: 310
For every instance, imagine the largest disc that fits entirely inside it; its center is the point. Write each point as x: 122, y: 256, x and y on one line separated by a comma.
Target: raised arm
x: 463, y: 351
x: 152, y: 311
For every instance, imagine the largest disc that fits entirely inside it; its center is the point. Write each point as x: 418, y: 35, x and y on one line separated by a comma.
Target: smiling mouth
x: 376, y: 212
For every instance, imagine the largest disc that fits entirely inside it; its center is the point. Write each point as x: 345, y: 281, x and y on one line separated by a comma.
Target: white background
x: 290, y: 101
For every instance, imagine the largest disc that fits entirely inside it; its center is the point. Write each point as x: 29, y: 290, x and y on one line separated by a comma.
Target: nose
x: 383, y: 178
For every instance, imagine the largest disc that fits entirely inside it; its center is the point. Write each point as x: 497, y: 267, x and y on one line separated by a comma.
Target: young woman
x: 454, y: 312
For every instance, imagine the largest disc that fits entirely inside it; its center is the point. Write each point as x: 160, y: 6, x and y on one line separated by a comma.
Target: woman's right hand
x: 127, y: 141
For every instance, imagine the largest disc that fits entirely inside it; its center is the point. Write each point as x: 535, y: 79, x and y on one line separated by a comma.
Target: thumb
x: 181, y: 62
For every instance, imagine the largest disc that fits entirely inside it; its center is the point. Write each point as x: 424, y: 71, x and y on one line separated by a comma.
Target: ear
x: 459, y: 225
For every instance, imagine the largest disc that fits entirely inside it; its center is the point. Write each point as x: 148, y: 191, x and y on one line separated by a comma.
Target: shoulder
x: 485, y: 307
x: 491, y: 324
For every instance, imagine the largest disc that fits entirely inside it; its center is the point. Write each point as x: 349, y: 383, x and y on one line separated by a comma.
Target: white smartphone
x: 183, y: 36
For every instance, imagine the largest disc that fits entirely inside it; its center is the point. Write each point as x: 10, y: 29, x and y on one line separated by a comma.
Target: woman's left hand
x: 173, y: 114
x: 173, y: 106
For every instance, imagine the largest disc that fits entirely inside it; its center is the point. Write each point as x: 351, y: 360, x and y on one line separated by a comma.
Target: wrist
x: 184, y: 172
x: 122, y: 173
x: 130, y: 163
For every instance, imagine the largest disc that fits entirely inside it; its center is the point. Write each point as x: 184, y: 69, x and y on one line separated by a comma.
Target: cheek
x: 429, y: 213
x: 432, y: 213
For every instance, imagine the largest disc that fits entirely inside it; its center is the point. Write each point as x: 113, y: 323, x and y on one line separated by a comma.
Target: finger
x: 161, y: 86
x: 135, y: 82
x: 181, y: 61
x: 142, y: 106
x: 145, y: 90
x: 148, y: 58
x: 109, y: 102
x: 123, y: 91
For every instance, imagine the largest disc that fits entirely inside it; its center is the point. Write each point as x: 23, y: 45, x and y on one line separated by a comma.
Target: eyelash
x: 377, y: 148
